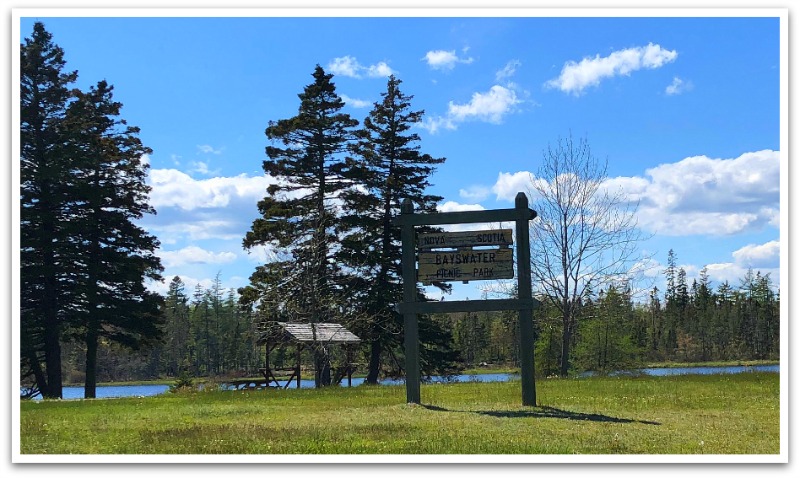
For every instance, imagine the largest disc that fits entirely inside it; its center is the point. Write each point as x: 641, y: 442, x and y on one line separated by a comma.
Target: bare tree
x: 585, y: 235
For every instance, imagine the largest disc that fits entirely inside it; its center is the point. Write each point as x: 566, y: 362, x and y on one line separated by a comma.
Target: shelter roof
x: 318, y: 332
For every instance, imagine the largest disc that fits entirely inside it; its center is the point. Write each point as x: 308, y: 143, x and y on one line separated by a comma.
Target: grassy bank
x: 728, y: 363
x: 725, y: 414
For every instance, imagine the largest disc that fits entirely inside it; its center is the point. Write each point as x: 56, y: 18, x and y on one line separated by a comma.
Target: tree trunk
x: 322, y: 368
x: 36, y: 369
x: 374, y: 363
x: 565, y: 343
x: 52, y: 330
x: 52, y: 351
x: 90, y: 384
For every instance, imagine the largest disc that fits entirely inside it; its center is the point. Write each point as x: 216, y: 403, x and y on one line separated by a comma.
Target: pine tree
x: 118, y: 256
x: 387, y: 167
x: 704, y: 308
x: 44, y: 202
x: 608, y: 342
x: 299, y: 214
x: 671, y: 306
x: 177, y: 330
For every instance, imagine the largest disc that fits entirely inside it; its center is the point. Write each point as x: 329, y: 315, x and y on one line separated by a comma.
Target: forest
x: 207, y: 333
x: 87, y: 315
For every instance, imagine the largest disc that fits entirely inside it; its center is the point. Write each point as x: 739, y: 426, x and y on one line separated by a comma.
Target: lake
x: 114, y: 391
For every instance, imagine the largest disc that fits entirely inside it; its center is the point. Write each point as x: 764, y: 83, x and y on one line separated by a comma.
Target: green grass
x: 724, y: 414
x: 727, y: 363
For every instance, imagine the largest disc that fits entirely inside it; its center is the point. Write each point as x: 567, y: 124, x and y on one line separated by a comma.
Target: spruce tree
x: 177, y: 330
x: 44, y: 204
x: 299, y: 215
x: 109, y: 195
x: 388, y: 167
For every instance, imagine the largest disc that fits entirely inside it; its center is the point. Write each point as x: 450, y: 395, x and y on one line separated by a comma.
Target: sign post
x: 410, y: 326
x: 465, y: 264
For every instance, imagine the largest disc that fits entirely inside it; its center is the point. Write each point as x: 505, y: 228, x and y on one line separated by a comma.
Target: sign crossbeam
x: 465, y: 217
x: 466, y: 306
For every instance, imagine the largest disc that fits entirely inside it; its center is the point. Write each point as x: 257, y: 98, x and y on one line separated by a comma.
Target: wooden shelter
x: 280, y: 334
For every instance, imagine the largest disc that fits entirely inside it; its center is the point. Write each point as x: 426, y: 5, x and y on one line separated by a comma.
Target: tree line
x: 208, y: 333
x: 695, y: 322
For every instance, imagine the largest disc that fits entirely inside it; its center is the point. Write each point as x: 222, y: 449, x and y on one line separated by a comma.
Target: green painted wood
x: 464, y: 217
x: 464, y: 306
x: 526, y: 340
x: 454, y: 240
x: 410, y: 326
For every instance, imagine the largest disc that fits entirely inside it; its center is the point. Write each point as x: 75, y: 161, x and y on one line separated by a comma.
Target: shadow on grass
x: 546, y: 412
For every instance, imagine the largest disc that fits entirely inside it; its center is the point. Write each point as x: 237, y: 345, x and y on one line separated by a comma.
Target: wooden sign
x: 465, y: 265
x: 491, y: 237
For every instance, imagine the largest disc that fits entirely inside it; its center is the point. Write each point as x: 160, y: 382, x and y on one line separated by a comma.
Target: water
x: 115, y: 391
x: 661, y: 372
x: 150, y: 390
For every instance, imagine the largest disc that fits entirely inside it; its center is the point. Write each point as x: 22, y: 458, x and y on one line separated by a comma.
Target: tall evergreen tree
x: 177, y: 330
x: 387, y: 167
x: 704, y: 307
x: 118, y: 256
x: 299, y: 214
x: 44, y: 202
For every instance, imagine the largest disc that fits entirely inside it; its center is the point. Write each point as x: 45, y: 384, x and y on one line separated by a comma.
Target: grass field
x: 721, y: 414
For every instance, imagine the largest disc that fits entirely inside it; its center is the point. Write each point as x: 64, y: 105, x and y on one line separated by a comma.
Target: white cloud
x: 380, y: 70
x: 262, y: 254
x: 700, y: 195
x: 474, y: 193
x: 575, y: 77
x: 508, y: 70
x: 733, y: 273
x: 344, y: 66
x: 355, y: 103
x: 173, y: 188
x: 444, y: 60
x: 434, y: 124
x: 194, y: 255
x: 208, y: 149
x: 193, y: 229
x: 349, y: 66
x: 453, y: 206
x: 697, y: 195
x: 201, y: 167
x: 509, y: 184
x: 199, y: 209
x: 145, y: 159
x: 678, y: 87
x: 491, y: 107
x: 759, y: 255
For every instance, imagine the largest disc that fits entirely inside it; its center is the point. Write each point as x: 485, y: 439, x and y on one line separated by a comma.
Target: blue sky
x: 686, y: 110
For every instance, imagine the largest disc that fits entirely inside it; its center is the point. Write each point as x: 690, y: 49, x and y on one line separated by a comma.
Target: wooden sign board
x: 491, y: 237
x: 465, y: 265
